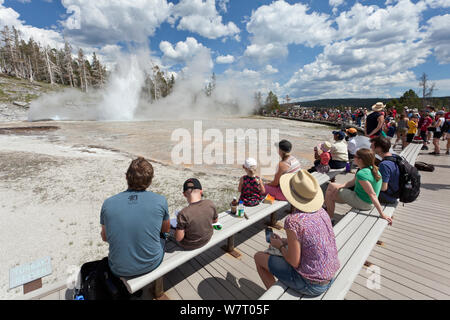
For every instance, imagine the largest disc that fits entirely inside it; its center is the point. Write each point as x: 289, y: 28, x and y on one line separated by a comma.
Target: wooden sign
x: 30, y: 274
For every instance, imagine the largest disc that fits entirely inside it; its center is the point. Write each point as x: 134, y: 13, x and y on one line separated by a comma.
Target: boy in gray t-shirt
x: 194, y: 223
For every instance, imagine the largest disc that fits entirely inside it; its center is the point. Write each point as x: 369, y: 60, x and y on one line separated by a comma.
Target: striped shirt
x: 319, y: 256
x: 294, y: 164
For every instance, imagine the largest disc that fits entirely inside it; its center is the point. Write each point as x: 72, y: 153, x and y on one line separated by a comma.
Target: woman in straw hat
x: 309, y: 258
x: 367, y: 186
x: 375, y: 121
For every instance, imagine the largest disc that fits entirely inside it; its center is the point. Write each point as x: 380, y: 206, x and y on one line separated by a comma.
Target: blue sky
x: 306, y: 49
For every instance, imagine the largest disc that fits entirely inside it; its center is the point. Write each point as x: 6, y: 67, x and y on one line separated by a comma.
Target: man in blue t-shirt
x: 133, y: 223
x: 390, y: 173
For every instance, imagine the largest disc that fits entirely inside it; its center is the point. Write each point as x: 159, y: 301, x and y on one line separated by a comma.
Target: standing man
x: 133, y: 222
x: 424, y: 123
x: 375, y: 120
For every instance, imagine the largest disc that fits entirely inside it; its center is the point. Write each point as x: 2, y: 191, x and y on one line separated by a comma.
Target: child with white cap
x: 251, y: 186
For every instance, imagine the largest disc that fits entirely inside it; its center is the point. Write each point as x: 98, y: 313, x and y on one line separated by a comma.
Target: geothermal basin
x: 56, y: 175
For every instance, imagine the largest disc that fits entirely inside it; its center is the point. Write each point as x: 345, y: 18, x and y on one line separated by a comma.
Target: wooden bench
x: 356, y: 235
x: 175, y: 256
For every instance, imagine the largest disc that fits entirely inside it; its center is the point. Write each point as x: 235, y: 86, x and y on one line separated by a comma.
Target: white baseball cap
x: 250, y: 162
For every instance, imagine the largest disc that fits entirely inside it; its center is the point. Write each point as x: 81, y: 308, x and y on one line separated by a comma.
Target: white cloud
x: 438, y: 37
x: 202, y: 17
x: 100, y: 23
x: 336, y: 3
x: 270, y: 70
x: 182, y: 51
x: 223, y: 5
x: 9, y: 17
x: 438, y: 3
x: 374, y: 52
x: 279, y: 24
x: 225, y: 59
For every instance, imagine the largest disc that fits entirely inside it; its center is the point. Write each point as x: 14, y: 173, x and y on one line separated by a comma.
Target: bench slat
x: 349, y: 273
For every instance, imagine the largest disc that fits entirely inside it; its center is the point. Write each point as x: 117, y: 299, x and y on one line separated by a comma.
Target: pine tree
x: 68, y: 63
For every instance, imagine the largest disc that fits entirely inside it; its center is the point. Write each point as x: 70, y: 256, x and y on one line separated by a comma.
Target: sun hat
x: 379, y: 106
x: 250, y: 163
x: 302, y: 191
x: 326, y: 146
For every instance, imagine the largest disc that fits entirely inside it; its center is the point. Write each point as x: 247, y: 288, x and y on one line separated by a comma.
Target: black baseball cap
x: 284, y: 145
x: 192, y: 184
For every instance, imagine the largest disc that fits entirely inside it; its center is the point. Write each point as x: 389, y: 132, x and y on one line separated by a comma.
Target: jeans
x: 281, y: 269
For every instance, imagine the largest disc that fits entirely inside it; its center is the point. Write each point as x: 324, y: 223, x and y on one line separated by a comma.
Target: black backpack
x: 98, y: 283
x: 409, y: 181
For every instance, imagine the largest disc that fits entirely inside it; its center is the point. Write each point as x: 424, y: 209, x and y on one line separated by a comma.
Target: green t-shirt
x: 366, y: 175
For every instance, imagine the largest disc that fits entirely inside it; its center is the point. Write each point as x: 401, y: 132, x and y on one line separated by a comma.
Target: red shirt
x: 427, y: 121
x: 447, y: 116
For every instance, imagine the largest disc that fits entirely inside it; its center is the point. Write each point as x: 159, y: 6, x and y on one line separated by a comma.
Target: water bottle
x: 348, y: 167
x: 241, y: 209
x: 234, y: 205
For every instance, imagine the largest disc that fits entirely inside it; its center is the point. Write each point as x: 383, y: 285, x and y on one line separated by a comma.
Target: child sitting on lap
x: 251, y: 187
x: 323, y: 157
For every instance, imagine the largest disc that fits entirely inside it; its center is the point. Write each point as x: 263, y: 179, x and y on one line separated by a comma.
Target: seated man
x: 133, y: 222
x: 389, y: 170
x: 351, y: 142
x: 194, y: 223
x: 339, y: 153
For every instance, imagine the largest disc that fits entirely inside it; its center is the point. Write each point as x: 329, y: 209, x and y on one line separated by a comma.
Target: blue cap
x: 340, y: 134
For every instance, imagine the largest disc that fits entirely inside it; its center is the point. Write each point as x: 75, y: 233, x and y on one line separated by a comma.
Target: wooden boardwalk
x: 414, y: 259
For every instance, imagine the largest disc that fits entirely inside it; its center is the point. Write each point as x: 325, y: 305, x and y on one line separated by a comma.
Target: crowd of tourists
x: 136, y: 222
x: 428, y: 125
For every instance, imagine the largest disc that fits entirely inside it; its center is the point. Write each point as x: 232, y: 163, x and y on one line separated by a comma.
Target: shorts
x: 402, y: 132
x: 350, y: 197
x: 337, y: 164
x: 410, y: 137
x: 286, y: 273
x: 437, y: 135
x: 424, y: 135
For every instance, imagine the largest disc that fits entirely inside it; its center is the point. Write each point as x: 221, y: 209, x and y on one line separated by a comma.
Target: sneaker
x: 424, y: 148
x: 432, y: 153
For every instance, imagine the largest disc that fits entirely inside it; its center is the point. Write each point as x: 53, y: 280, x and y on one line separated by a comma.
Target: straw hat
x: 326, y: 146
x: 302, y: 190
x: 379, y: 106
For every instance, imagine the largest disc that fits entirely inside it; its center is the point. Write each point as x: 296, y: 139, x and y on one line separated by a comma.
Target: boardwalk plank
x: 383, y: 290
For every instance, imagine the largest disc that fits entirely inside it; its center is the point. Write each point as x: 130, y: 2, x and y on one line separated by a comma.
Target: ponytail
x: 368, y: 158
x: 375, y: 173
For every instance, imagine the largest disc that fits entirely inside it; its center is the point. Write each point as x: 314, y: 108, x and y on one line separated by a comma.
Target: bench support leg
x: 274, y: 222
x: 158, y: 290
x: 229, y: 248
